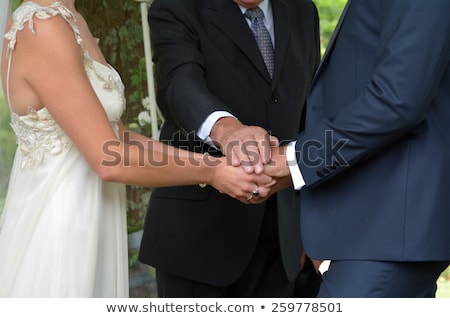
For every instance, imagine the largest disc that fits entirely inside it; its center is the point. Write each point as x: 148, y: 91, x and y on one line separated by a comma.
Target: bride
x: 63, y: 228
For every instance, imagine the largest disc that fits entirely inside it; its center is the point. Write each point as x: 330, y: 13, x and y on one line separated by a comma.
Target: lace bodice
x: 38, y: 134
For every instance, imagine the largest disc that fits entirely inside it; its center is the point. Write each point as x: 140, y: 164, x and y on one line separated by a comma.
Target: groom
x: 373, y: 162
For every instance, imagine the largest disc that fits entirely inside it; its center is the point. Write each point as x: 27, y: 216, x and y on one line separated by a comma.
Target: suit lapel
x: 332, y: 41
x: 227, y: 16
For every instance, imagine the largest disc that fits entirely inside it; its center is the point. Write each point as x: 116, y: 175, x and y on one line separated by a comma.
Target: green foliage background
x: 329, y: 13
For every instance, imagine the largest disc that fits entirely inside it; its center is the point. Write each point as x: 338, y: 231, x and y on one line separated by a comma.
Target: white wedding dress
x: 63, y: 230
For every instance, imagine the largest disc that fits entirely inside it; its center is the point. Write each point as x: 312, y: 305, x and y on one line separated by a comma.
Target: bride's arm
x: 51, y: 62
x: 178, y: 165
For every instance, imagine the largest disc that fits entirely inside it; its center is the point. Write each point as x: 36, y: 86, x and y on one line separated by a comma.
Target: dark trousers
x: 374, y: 279
x: 264, y: 276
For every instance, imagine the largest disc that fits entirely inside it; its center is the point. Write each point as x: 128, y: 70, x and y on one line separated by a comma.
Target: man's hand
x: 278, y: 169
x: 315, y: 263
x: 246, y: 146
x: 278, y: 166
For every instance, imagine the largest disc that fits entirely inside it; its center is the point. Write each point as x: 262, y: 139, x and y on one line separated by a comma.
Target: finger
x: 235, y: 157
x: 269, y: 184
x: 277, y: 167
x: 261, y: 179
x: 246, y: 198
x: 274, y: 142
x: 249, y: 157
x: 263, y: 192
x: 230, y: 152
x: 264, y: 195
x: 264, y: 147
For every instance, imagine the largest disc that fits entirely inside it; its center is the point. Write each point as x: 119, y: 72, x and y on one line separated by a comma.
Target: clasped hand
x: 262, y: 163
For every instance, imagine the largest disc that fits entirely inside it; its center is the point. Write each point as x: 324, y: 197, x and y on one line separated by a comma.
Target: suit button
x: 319, y: 173
x: 273, y: 100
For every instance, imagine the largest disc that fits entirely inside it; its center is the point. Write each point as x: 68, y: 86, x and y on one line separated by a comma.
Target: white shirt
x: 291, y: 159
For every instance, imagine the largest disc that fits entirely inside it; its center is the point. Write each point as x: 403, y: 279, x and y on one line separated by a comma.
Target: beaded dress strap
x: 24, y: 14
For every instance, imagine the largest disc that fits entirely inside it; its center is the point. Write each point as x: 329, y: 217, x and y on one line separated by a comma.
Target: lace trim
x: 38, y: 133
x: 24, y: 14
x: 110, y: 83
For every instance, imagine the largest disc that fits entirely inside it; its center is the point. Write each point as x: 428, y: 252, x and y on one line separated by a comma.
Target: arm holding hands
x: 187, y: 168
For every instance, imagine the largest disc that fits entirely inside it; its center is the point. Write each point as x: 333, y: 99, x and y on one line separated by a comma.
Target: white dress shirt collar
x: 265, y: 7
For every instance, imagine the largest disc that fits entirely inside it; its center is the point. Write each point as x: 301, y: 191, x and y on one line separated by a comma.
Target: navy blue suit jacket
x: 375, y: 154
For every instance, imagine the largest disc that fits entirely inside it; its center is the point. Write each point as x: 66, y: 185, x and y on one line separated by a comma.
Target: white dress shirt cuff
x: 291, y: 158
x: 205, y: 129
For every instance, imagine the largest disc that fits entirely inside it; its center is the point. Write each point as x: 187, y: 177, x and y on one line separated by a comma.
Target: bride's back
x: 36, y: 37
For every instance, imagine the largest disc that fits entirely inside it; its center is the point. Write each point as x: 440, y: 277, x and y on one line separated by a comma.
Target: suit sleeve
x: 413, y: 53
x: 182, y: 93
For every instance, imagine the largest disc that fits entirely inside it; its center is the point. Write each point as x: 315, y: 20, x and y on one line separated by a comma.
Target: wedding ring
x: 250, y: 197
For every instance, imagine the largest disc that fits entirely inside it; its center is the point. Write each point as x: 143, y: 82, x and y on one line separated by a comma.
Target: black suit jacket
x: 206, y: 59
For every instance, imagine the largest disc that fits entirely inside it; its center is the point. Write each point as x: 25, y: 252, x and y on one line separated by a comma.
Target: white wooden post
x: 149, y: 66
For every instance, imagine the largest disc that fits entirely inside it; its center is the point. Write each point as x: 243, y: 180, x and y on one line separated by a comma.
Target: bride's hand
x: 238, y: 184
x: 276, y: 185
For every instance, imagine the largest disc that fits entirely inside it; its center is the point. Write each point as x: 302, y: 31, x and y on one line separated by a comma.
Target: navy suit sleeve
x: 412, y: 53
